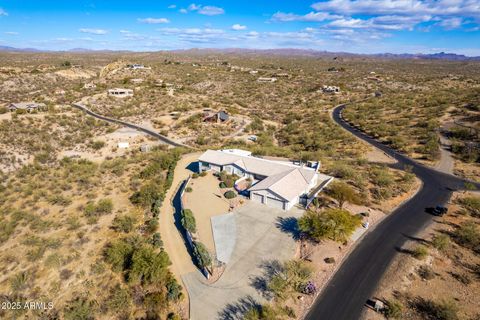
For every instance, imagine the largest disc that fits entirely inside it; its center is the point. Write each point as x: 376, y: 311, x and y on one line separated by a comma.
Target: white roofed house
x: 277, y: 184
x: 120, y: 93
x: 27, y: 106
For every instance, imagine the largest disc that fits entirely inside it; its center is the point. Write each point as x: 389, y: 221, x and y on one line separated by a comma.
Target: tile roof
x: 286, y: 180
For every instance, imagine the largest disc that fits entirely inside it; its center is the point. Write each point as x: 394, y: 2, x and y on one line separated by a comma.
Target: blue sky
x: 359, y: 26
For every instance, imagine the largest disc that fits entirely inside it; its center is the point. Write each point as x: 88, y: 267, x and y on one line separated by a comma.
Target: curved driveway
x: 355, y: 281
x: 131, y: 125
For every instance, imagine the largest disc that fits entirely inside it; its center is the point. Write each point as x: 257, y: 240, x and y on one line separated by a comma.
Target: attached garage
x: 276, y: 203
x: 257, y: 197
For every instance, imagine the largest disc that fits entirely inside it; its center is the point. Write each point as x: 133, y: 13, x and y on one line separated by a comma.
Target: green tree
x: 342, y: 192
x: 335, y: 224
x: 203, y: 256
x: 124, y: 223
x: 148, y: 266
x: 290, y: 279
x: 188, y: 221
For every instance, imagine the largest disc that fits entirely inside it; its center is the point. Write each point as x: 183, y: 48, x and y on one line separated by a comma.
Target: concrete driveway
x: 262, y: 234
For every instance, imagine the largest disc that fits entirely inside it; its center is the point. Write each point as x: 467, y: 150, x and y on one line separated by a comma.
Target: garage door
x: 257, y: 197
x: 275, y: 203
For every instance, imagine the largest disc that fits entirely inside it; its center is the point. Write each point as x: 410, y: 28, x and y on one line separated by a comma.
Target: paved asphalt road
x: 130, y: 125
x: 356, y: 280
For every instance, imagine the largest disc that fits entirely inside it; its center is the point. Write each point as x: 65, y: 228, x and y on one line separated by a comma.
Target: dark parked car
x: 440, y: 211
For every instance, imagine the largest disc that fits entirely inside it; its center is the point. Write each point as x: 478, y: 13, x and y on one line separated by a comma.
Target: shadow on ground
x: 237, y: 310
x: 260, y: 283
x: 193, y: 166
x: 289, y: 225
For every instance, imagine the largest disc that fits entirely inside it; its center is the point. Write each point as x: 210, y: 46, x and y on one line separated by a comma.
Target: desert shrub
x: 148, y: 266
x: 462, y: 278
x: 335, y: 224
x: 468, y: 235
x: 102, y: 207
x: 124, y: 223
x: 420, y: 252
x: 230, y: 194
x: 194, y: 175
x: 119, y: 300
x: 19, y: 281
x: 342, y: 192
x: 173, y: 316
x: 393, y: 309
x: 441, y: 242
x: 118, y: 254
x: 59, y: 200
x: 174, y: 290
x: 152, y: 225
x: 426, y: 272
x: 188, y: 189
x: 472, y: 204
x: 222, y: 185
x: 97, y: 145
x: 289, y: 279
x: 445, y: 310
x: 203, y: 173
x: 188, y: 221
x: 157, y: 240
x: 329, y: 260
x: 79, y: 309
x: 3, y: 109
x: 148, y: 194
x: 203, y: 256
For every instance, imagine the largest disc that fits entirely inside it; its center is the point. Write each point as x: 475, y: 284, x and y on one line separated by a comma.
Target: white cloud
x: 3, y: 12
x: 404, y: 7
x: 154, y: 20
x: 11, y: 33
x: 238, y: 27
x: 193, y: 7
x: 211, y: 11
x: 205, y: 10
x: 191, y: 31
x: 451, y: 23
x: 93, y: 31
x: 389, y: 22
x: 172, y: 6
x: 309, y: 17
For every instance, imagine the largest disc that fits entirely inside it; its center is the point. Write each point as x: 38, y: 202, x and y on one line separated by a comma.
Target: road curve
x: 131, y: 125
x: 356, y: 280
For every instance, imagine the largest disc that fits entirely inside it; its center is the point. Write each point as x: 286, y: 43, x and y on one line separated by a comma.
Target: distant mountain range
x: 285, y: 52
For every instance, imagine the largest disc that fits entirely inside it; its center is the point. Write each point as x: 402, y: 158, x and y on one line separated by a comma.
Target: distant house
x: 253, y: 71
x: 220, y: 116
x: 123, y: 145
x: 120, y: 93
x: 330, y: 89
x: 277, y: 184
x: 89, y: 85
x: 145, y: 148
x: 378, y: 94
x: 137, y: 81
x: 252, y: 138
x: 137, y: 66
x: 27, y: 106
x: 262, y: 79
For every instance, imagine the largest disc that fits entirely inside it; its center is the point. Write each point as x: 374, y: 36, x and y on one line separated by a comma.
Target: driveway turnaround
x: 261, y: 236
